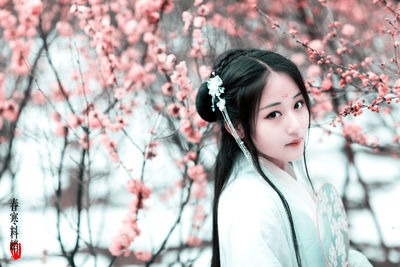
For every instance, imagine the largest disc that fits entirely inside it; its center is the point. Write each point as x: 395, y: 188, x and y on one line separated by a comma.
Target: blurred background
x: 101, y: 146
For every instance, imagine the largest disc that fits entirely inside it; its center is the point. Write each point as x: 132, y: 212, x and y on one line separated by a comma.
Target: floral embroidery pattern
x: 332, y: 226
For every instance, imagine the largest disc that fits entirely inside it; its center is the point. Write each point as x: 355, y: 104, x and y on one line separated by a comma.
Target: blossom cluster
x: 130, y: 229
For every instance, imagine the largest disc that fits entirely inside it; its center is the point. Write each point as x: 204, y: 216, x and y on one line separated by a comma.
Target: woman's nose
x: 292, y: 123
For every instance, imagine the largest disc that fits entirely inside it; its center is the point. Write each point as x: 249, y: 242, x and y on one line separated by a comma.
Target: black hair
x: 244, y: 73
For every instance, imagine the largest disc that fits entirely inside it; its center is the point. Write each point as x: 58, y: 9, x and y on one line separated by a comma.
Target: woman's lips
x: 295, y: 143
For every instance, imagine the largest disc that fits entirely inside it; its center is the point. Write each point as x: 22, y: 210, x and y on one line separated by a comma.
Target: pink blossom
x: 167, y: 88
x: 119, y: 93
x: 149, y: 38
x: 173, y: 35
x: 348, y: 30
x: 149, y: 10
x: 364, y: 82
x: 10, y: 34
x: 383, y: 89
x: 142, y: 255
x: 198, y: 51
x: 94, y: 119
x: 64, y: 28
x: 184, y: 112
x: 130, y: 226
x: 199, y: 214
x: 217, y: 20
x: 173, y: 109
x: 181, y: 68
x: 204, y: 71
x: 166, y: 63
x: 17, y: 95
x: 368, y: 60
x: 193, y: 241
x: 187, y: 19
x: 55, y: 116
x: 198, y: 121
x: 151, y: 149
x: 385, y: 78
x: 316, y: 45
x: 84, y: 142
x: 120, y: 244
x: 137, y: 186
x: 169, y: 6
x: 204, y: 10
x: 185, y: 126
x: 197, y: 172
x: 107, y: 123
x: 354, y: 131
x: 194, y: 136
x: 197, y: 37
x: 134, y: 186
x: 326, y: 106
x: 189, y: 156
x: 313, y: 71
x: 35, y: 7
x: 61, y: 129
x: 199, y: 21
x: 111, y: 146
x: 114, y: 156
x: 326, y: 84
x: 298, y: 58
x: 121, y: 122
x: 198, y: 2
x: 372, y: 76
x: 136, y: 72
x: 199, y: 190
x: 133, y: 205
x: 130, y: 27
x: 396, y: 86
x: 146, y: 192
x: 38, y: 97
x: 74, y: 74
x: 182, y: 95
x: 116, y: 248
x: 130, y: 220
x: 73, y: 121
x: 18, y: 64
x: 7, y: 19
x: 57, y: 94
x: 184, y: 84
x: 10, y: 110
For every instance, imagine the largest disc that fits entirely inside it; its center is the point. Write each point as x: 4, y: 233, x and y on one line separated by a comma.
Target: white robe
x: 253, y: 226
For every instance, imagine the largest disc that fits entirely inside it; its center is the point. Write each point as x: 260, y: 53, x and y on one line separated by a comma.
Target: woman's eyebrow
x: 278, y: 103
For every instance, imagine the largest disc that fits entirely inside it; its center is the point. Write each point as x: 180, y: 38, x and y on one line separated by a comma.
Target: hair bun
x: 203, y: 104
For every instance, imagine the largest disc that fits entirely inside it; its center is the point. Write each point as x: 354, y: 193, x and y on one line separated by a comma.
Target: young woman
x: 263, y: 210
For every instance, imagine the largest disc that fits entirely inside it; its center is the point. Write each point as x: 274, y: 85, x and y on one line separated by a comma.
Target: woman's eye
x: 300, y: 101
x: 271, y: 115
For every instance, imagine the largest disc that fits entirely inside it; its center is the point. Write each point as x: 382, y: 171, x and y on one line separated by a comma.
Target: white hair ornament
x: 215, y: 89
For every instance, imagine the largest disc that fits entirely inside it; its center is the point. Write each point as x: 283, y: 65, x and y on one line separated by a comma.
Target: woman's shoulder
x: 248, y: 190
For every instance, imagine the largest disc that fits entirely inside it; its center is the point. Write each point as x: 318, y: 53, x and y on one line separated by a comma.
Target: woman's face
x: 282, y: 118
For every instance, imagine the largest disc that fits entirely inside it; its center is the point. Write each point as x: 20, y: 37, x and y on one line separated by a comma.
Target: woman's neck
x: 284, y: 166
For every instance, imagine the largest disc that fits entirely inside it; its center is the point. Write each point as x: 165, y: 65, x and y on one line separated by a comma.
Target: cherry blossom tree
x: 107, y: 90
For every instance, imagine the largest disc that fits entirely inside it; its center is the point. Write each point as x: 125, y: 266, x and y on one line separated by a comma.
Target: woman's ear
x: 239, y: 130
